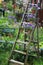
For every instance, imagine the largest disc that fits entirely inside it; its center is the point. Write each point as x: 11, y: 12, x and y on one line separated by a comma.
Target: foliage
x: 7, y: 0
x: 9, y: 6
x: 6, y: 22
x: 3, y: 21
x: 0, y: 5
x: 38, y: 61
x: 5, y: 49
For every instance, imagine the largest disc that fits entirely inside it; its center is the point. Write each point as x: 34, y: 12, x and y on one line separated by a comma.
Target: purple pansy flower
x: 31, y: 16
x: 27, y: 25
x: 35, y: 5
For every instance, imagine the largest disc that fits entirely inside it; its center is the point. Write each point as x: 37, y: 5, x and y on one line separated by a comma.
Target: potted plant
x: 34, y: 10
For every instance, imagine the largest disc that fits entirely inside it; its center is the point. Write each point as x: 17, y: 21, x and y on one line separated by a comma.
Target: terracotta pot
x: 33, y: 11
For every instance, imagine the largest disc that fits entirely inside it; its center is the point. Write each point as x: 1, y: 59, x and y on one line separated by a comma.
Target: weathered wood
x: 16, y: 62
x: 18, y: 33
x: 18, y: 41
x: 21, y: 52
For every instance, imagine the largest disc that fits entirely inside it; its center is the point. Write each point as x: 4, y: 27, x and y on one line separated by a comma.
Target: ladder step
x: 2, y: 41
x: 18, y: 41
x: 26, y: 32
x: 21, y: 52
x: 16, y: 62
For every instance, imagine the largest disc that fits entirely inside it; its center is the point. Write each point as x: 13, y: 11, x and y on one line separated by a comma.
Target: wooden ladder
x: 15, y: 62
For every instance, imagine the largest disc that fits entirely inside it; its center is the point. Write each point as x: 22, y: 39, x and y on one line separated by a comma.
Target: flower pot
x: 33, y: 11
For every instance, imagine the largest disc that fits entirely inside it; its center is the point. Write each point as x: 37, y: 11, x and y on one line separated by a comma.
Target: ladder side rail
x: 28, y: 46
x: 36, y: 22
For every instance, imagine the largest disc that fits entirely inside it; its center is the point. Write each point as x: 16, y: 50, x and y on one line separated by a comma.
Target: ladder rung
x: 22, y: 42
x: 16, y: 62
x: 26, y: 42
x: 33, y: 41
x: 21, y: 52
x: 26, y: 32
